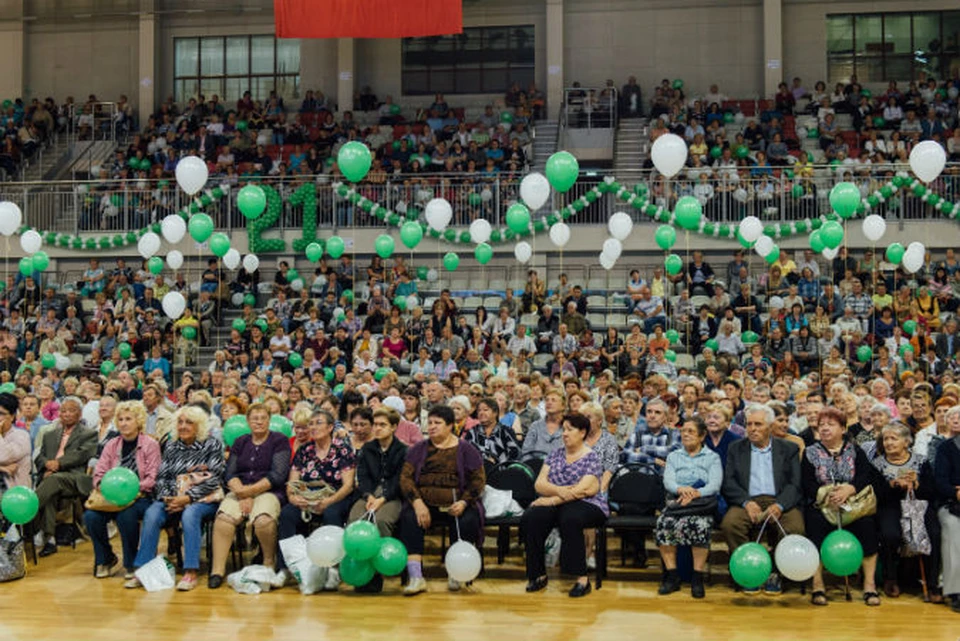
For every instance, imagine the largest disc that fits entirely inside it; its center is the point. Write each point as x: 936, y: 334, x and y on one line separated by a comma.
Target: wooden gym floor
x: 60, y: 600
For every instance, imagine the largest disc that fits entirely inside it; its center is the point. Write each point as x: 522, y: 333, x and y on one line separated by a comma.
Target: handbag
x: 13, y: 563
x: 192, y: 479
x: 915, y: 540
x: 98, y: 503
x: 312, y: 491
x: 700, y: 506
x: 861, y: 504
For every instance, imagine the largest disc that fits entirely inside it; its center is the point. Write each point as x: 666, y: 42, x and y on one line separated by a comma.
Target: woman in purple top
x: 257, y: 472
x: 570, y: 499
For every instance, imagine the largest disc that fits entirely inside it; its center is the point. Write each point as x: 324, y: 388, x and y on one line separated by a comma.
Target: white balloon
x: 801, y: 133
x: 606, y: 262
x: 764, y: 246
x: 338, y: 312
x: 296, y: 284
x: 620, y: 225
x: 175, y: 260
x: 192, y: 174
x: 148, y: 245
x: 874, y: 227
x: 534, y: 190
x: 432, y: 275
x: 751, y: 228
x: 953, y: 92
x: 913, y: 257
x: 463, y: 562
x: 438, y: 213
x: 829, y: 253
x: 251, y: 263
x: 560, y: 234
x: 669, y: 153
x: 486, y: 195
x: 325, y: 546
x: 739, y: 117
x: 424, y: 195
x: 231, y: 260
x: 612, y: 248
x: 480, y: 230
x: 30, y: 241
x: 173, y: 228
x: 173, y: 304
x: 237, y: 299
x: 740, y: 194
x: 927, y: 160
x: 412, y: 301
x: 63, y: 361
x: 523, y: 251
x: 797, y: 557
x: 10, y: 218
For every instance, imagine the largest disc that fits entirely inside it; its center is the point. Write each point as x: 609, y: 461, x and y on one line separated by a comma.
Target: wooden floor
x: 61, y: 601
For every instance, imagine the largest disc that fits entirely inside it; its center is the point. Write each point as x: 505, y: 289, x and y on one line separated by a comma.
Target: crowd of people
x: 810, y: 384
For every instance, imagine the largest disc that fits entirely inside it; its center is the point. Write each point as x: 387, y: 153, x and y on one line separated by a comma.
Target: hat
x: 10, y: 403
x: 395, y: 403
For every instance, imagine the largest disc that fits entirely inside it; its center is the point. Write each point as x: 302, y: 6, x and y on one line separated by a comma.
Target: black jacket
x: 786, y: 473
x: 376, y: 468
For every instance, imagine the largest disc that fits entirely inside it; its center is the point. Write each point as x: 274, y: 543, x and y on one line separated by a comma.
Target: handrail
x: 585, y: 104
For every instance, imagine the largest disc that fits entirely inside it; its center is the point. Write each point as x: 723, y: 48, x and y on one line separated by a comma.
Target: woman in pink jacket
x: 135, y: 451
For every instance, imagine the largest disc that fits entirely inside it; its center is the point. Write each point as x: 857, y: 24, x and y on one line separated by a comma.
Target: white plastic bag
x: 552, y: 548
x: 309, y: 577
x: 252, y: 579
x: 497, y: 503
x: 158, y: 574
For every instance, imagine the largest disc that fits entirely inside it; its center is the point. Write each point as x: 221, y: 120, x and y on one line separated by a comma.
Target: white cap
x: 395, y: 403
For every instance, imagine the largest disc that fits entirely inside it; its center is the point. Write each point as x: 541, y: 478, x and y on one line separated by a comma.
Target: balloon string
x: 456, y: 519
x: 764, y: 526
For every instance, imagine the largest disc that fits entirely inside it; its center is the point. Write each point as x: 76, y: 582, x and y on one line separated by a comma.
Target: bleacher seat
x: 597, y: 284
x: 459, y: 284
x: 616, y: 320
x: 492, y: 302
x: 594, y: 301
x: 530, y: 320
x: 472, y: 302
x: 596, y: 321
x: 542, y: 360
x: 497, y: 285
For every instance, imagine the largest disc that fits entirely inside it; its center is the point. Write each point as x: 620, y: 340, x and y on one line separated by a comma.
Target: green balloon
x: 26, y: 266
x: 411, y: 233
x: 239, y: 324
x: 813, y: 133
x: 125, y: 350
x: 234, y: 428
x: 335, y: 247
x: 688, y: 212
x: 49, y: 361
x: 361, y: 540
x: 145, y: 165
x: 562, y: 171
x: 200, y: 227
x: 474, y: 199
x: 518, y: 217
x: 107, y: 367
x: 354, y: 160
x: 743, y: 241
x: 242, y: 125
x: 19, y: 505
x: 348, y: 294
x: 750, y: 565
x: 384, y: 246
x: 155, y: 265
x: 665, y: 236
x: 314, y: 252
x: 716, y: 152
x: 906, y: 347
x: 749, y: 337
x: 219, y: 244
x: 249, y: 299
x: 189, y: 333
x: 910, y: 327
x: 728, y: 117
x: 391, y: 558
x: 816, y: 242
x: 356, y: 572
x: 864, y: 353
x: 395, y: 111
x: 712, y: 344
x: 451, y: 261
x: 841, y: 553
x: 40, y: 261
x: 673, y: 264
x: 292, y: 274
x: 338, y: 389
x: 252, y: 201
x: 400, y: 302
x: 295, y: 360
x: 845, y: 198
x: 673, y: 336
x: 832, y: 234
x: 506, y: 116
x: 120, y: 486
x: 670, y: 355
x: 261, y: 324
x: 483, y: 253
x: 797, y: 191
x: 742, y: 151
x: 381, y: 373
x: 328, y: 374
x: 8, y: 388
x: 282, y: 424
x: 773, y: 256
x: 879, y: 122
x: 895, y: 253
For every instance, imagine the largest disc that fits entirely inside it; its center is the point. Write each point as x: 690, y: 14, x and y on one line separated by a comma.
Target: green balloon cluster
x: 256, y: 243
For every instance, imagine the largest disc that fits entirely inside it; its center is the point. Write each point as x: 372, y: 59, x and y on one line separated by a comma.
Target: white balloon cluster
x: 914, y: 257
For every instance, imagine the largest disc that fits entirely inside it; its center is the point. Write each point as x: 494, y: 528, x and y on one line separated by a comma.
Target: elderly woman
x: 496, y: 442
x: 301, y: 427
x: 442, y: 478
x: 140, y: 454
x: 256, y: 475
x: 15, y: 461
x: 462, y: 409
x: 947, y: 485
x: 604, y: 444
x: 835, y: 462
x: 106, y: 429
x: 692, y: 472
x: 188, y: 488
x: 904, y: 473
x: 570, y: 499
x: 719, y: 437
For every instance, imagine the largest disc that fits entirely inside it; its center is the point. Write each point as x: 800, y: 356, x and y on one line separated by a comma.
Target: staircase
x: 632, y: 146
x: 545, y: 142
x: 45, y: 160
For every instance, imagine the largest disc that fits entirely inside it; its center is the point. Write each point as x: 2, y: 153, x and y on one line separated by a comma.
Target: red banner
x: 367, y: 18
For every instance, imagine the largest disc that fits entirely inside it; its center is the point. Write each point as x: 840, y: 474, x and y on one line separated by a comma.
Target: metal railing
x: 113, y: 206
x: 590, y: 107
x: 96, y: 121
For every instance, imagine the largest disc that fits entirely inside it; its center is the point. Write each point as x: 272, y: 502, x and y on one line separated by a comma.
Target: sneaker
x: 415, y: 586
x: 128, y: 575
x: 133, y: 584
x: 106, y: 570
x: 187, y: 583
x: 333, y: 580
x: 772, y: 587
x: 453, y: 585
x: 751, y: 591
x: 591, y: 563
x: 111, y: 530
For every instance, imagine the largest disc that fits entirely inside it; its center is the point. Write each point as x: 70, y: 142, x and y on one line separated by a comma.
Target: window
x: 878, y: 47
x: 229, y: 66
x: 479, y: 60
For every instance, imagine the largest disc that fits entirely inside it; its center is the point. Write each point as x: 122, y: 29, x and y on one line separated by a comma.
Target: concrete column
x: 11, y: 51
x: 147, y: 63
x: 772, y: 46
x: 345, y: 72
x: 554, y: 35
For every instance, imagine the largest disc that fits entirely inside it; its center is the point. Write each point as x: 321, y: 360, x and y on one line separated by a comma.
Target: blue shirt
x: 702, y: 470
x: 644, y: 447
x: 761, y: 471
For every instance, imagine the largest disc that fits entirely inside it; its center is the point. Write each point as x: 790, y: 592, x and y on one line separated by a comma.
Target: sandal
x: 871, y: 598
x: 818, y: 597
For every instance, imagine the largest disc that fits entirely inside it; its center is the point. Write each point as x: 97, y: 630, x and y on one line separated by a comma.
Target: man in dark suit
x: 62, y: 466
x: 948, y: 341
x: 761, y: 479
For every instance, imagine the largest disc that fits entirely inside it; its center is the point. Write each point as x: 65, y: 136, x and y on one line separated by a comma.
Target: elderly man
x: 62, y: 464
x: 546, y: 434
x: 547, y: 327
x: 650, y: 309
x: 652, y: 441
x: 761, y: 479
x: 575, y: 321
x: 159, y: 419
